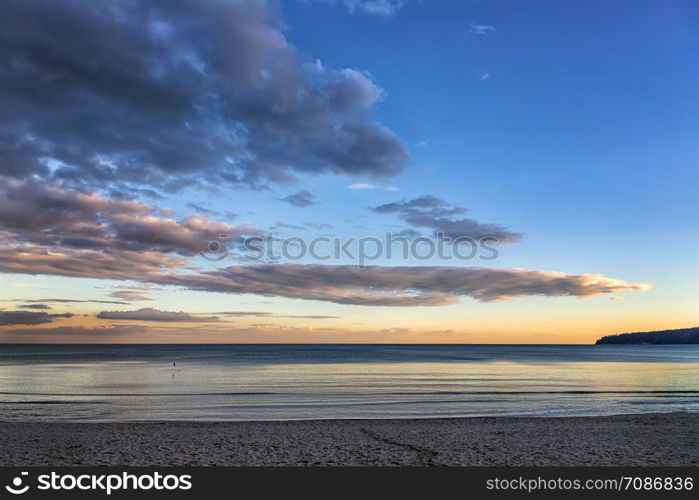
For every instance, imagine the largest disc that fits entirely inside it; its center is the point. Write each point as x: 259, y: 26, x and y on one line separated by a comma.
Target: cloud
x: 302, y: 199
x: 29, y: 317
x: 132, y: 292
x: 130, y: 295
x: 265, y: 314
x: 86, y: 263
x: 399, y: 286
x: 225, y: 333
x: 317, y: 225
x: 375, y: 285
x: 384, y: 8
x: 393, y: 286
x: 67, y: 301
x: 34, y: 306
x: 203, y: 210
x: 302, y: 227
x: 58, y: 215
x: 150, y: 314
x: 67, y: 331
x: 439, y: 216
x: 423, y: 143
x: 481, y: 29
x: 360, y: 186
x: 283, y: 225
x: 174, y: 94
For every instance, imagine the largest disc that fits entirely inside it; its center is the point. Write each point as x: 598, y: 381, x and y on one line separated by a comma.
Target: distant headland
x: 683, y: 336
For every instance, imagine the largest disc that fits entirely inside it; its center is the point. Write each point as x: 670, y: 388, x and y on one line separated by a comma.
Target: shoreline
x: 351, y: 419
x: 651, y: 439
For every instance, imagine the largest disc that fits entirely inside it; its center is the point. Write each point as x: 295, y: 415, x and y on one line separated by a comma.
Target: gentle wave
x: 414, y: 393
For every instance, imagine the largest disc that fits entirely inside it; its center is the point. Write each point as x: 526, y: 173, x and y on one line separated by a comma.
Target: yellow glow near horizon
x: 556, y: 320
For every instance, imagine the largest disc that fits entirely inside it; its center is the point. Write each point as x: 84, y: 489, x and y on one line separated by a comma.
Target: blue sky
x: 573, y: 124
x: 585, y: 130
x: 583, y: 136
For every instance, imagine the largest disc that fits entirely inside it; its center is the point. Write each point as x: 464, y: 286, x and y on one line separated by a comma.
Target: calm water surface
x: 271, y: 382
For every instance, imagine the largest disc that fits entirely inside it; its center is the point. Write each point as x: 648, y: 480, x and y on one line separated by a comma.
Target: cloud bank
x: 399, y: 286
x: 151, y: 314
x: 71, y: 218
x: 29, y: 317
x: 177, y: 93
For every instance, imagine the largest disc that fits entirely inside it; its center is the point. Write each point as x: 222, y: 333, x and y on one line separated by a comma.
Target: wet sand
x: 651, y: 439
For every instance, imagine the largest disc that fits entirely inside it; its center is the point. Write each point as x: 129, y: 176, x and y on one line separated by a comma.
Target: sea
x: 132, y: 383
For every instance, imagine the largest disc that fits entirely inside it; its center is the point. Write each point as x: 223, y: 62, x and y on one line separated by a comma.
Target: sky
x: 147, y: 148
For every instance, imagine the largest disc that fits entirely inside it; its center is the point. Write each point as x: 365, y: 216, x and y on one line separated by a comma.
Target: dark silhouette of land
x: 682, y: 336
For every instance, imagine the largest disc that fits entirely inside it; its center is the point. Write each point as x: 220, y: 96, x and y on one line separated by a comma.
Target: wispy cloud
x: 265, y: 314
x: 301, y: 199
x: 442, y: 217
x: 384, y: 8
x: 361, y: 186
x: 131, y: 294
x: 301, y: 227
x: 481, y: 29
x: 34, y: 306
x: 63, y: 332
x: 71, y: 301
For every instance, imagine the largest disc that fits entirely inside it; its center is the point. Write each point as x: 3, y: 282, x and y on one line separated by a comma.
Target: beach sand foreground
x: 651, y: 439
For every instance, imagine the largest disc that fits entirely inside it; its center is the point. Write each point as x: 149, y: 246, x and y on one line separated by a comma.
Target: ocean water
x: 272, y: 382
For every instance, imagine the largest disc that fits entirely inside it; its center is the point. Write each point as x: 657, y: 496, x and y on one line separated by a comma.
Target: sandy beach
x: 650, y: 439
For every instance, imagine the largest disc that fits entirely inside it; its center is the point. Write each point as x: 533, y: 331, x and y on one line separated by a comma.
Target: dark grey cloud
x: 441, y: 217
x: 34, y: 306
x: 29, y: 317
x: 172, y: 93
x: 302, y: 199
x: 151, y: 314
